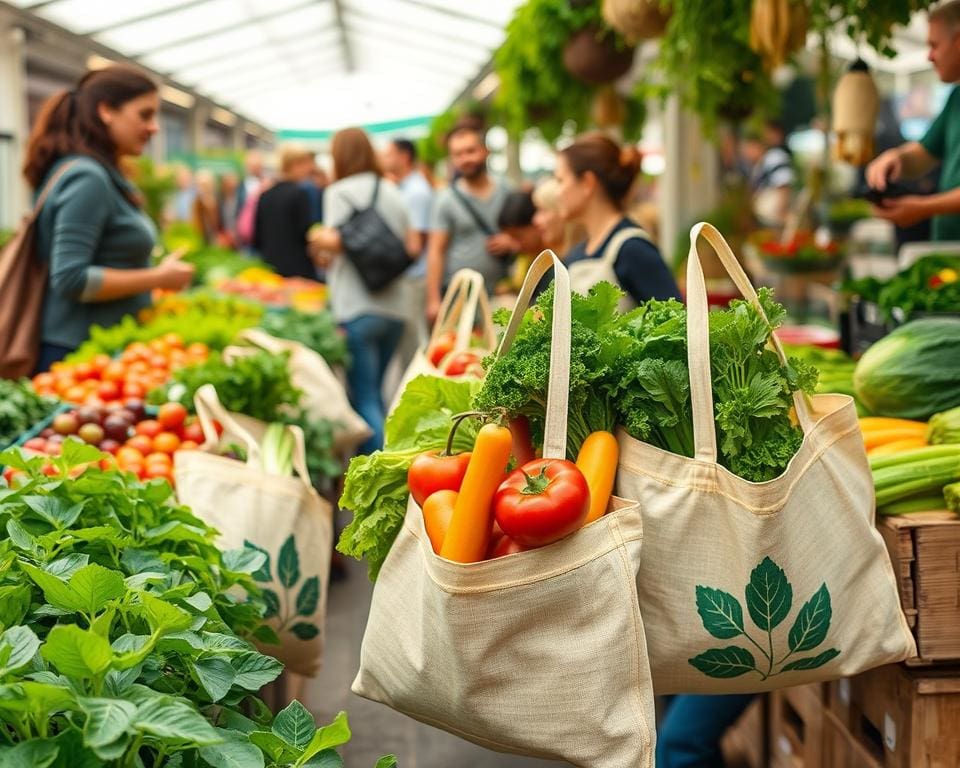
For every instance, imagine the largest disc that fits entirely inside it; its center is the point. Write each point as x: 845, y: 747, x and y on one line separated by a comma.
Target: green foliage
x: 769, y: 597
x: 315, y: 330
x: 20, y: 409
x: 375, y: 487
x: 874, y: 28
x: 155, y: 184
x: 913, y: 290
x: 535, y: 87
x: 214, y: 265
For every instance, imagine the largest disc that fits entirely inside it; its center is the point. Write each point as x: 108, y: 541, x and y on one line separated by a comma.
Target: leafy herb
x: 919, y: 288
x: 20, y: 409
x: 316, y: 330
x: 375, y: 487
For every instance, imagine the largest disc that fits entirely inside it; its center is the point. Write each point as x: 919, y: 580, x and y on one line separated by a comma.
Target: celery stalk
x: 907, y: 457
x: 951, y: 495
x: 929, y: 501
x: 276, y: 450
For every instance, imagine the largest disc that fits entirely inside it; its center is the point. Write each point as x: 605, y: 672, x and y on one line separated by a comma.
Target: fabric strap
x: 558, y: 391
x: 464, y: 200
x: 698, y: 340
x: 612, y: 251
x: 465, y: 299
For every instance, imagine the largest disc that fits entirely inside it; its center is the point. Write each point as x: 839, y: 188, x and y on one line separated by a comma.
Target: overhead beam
x: 459, y: 15
x: 428, y: 43
x: 411, y: 27
x: 348, y: 59
x: 146, y: 17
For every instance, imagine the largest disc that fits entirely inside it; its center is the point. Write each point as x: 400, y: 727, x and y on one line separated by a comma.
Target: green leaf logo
x: 769, y: 597
x: 305, y: 631
x: 309, y: 596
x: 288, y: 564
x: 285, y: 604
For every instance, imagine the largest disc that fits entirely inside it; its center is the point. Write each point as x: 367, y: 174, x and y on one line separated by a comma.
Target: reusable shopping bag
x: 539, y: 653
x: 280, y: 516
x: 586, y: 273
x: 465, y: 305
x: 754, y: 586
x: 324, y: 395
x: 23, y: 283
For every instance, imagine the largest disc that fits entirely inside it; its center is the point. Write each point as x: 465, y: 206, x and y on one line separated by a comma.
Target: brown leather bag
x: 23, y: 282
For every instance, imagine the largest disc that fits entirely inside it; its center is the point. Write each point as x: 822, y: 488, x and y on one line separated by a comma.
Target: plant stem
x: 130, y: 759
x: 759, y: 648
x: 770, y: 640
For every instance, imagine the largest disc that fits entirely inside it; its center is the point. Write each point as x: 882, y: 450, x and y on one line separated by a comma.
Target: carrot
x: 876, y: 423
x: 598, y: 461
x: 884, y: 436
x: 437, y: 513
x: 468, y: 536
x: 897, y: 446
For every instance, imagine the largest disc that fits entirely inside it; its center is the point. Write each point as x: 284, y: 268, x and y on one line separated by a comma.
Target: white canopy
x: 301, y: 64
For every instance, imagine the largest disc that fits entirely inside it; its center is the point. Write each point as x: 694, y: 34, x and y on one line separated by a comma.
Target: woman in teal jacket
x: 92, y: 231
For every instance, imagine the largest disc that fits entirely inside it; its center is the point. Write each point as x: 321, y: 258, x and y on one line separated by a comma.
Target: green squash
x: 914, y: 372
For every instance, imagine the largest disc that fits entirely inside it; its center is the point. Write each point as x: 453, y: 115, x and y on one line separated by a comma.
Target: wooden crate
x: 925, y: 550
x: 904, y: 718
x: 745, y: 744
x: 796, y: 727
x: 841, y: 749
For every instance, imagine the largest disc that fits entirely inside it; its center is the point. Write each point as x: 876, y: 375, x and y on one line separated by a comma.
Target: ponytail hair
x: 615, y: 168
x: 69, y: 122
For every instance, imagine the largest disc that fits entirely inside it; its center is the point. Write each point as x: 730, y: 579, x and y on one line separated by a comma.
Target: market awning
x: 301, y: 64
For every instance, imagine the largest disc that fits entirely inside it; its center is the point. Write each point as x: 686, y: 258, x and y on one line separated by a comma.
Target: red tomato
x: 9, y: 474
x: 76, y: 394
x: 133, y: 389
x: 188, y: 445
x: 100, y: 362
x: 172, y: 416
x: 430, y: 472
x: 505, y: 546
x: 108, y: 390
x: 128, y: 456
x: 114, y: 371
x: 166, y: 442
x: 37, y: 444
x: 158, y: 458
x: 83, y: 371
x: 142, y: 443
x: 462, y: 363
x: 193, y: 432
x: 158, y: 470
x: 44, y: 382
x: 542, y: 502
x: 149, y: 427
x: 442, y: 347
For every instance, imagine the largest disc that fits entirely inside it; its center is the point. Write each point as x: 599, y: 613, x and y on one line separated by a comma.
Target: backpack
x: 379, y: 256
x: 23, y: 283
x: 587, y: 273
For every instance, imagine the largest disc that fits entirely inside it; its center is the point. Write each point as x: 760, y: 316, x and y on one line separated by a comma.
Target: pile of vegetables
x: 258, y: 385
x: 203, y: 302
x: 375, y: 488
x: 215, y: 265
x: 913, y: 372
x: 127, y: 634
x: 631, y: 369
x: 835, y: 367
x: 20, y: 408
x: 931, y: 284
x: 315, y: 330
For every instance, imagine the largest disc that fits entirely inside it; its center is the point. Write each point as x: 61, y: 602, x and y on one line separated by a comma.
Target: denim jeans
x: 371, y: 340
x: 690, y: 733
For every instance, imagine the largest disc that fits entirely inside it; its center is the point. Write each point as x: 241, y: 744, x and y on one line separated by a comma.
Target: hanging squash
x: 609, y: 109
x: 778, y: 29
x: 636, y: 19
x: 856, y: 104
x: 595, y: 56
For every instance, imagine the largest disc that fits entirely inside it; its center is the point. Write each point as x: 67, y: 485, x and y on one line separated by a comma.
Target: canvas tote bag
x: 324, y: 396
x: 754, y: 586
x: 281, y: 516
x: 465, y: 304
x: 539, y: 653
x: 23, y: 283
x: 587, y: 273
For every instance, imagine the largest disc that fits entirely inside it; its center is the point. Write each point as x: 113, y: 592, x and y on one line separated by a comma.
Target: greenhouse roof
x: 301, y: 64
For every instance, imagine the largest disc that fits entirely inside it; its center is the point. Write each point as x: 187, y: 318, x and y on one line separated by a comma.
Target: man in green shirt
x: 941, y: 145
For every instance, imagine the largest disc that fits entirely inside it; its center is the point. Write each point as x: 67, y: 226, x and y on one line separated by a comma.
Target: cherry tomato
x: 142, y: 443
x: 430, y: 472
x: 149, y: 427
x: 542, y: 501
x: 462, y: 363
x: 172, y: 416
x: 166, y: 442
x: 505, y: 546
x: 442, y: 347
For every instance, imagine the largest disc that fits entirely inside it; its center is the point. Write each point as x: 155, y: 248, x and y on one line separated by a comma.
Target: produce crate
x: 899, y: 717
x: 865, y: 326
x: 745, y: 744
x: 796, y: 726
x: 841, y: 749
x: 925, y: 550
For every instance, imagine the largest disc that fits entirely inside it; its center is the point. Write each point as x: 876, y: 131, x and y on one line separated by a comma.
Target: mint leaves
x: 769, y: 598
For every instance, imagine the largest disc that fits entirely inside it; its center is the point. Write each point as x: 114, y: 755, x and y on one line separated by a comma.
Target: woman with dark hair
x: 92, y: 231
x: 594, y: 176
x: 373, y: 322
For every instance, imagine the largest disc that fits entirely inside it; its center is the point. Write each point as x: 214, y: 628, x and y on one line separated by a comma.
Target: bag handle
x: 612, y: 251
x: 260, y: 338
x: 558, y: 388
x: 698, y: 340
x: 466, y: 296
x: 209, y: 408
x: 48, y: 188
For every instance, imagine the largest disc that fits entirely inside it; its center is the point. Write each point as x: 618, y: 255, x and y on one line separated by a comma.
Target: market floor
x: 376, y: 729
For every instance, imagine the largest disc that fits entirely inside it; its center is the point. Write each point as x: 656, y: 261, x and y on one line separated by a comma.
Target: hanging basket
x: 856, y: 104
x: 609, y: 109
x: 593, y: 56
x: 636, y: 19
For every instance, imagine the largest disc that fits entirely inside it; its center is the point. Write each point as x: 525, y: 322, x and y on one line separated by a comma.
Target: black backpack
x: 372, y: 247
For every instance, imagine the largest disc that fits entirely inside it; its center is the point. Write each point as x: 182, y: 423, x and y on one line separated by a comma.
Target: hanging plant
x: 536, y: 90
x: 432, y: 147
x: 595, y: 56
x: 636, y: 19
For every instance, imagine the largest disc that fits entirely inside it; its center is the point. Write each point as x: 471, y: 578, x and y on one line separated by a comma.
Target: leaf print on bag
x: 769, y: 597
x: 287, y: 605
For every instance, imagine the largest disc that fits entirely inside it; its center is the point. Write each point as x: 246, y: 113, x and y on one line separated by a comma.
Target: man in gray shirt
x: 463, y: 229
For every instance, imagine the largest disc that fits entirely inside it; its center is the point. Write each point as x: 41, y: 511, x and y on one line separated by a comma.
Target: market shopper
x: 92, y: 230
x: 556, y: 234
x: 939, y: 147
x: 771, y: 174
x: 206, y: 207
x: 283, y: 217
x: 373, y: 322
x: 594, y: 176
x: 464, y: 232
